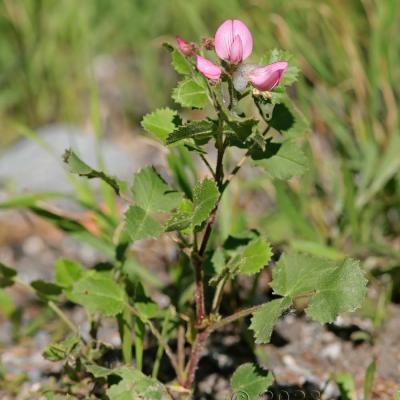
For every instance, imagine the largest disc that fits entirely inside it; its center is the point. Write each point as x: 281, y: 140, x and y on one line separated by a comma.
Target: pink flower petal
x: 267, y: 77
x: 208, y: 68
x: 236, y: 54
x: 185, y: 47
x: 225, y: 38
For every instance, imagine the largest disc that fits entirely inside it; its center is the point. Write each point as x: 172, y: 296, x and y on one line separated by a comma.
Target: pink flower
x: 208, y: 68
x: 233, y: 41
x: 185, y: 47
x: 267, y: 77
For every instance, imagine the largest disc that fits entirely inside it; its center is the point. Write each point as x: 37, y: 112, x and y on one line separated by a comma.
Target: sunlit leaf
x: 193, y: 130
x: 333, y: 288
x: 100, y: 294
x: 159, y: 123
x: 152, y: 193
x: 265, y: 318
x: 205, y: 196
x: 77, y: 166
x: 190, y: 93
x: 250, y: 381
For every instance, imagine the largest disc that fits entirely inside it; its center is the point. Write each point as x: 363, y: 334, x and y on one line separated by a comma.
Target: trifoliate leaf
x: 252, y: 258
x: 7, y: 276
x: 135, y: 385
x: 98, y: 293
x: 140, y: 225
x: 159, y: 123
x: 333, y: 288
x: 205, y: 196
x: 152, y: 193
x: 77, y: 166
x: 282, y: 160
x: 250, y: 381
x: 191, y: 93
x: 265, y: 318
x: 198, y: 130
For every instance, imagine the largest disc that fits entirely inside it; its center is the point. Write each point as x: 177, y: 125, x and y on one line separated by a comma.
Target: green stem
x: 158, y: 336
x: 160, y: 349
x: 234, y: 317
x: 63, y: 317
x: 219, y: 291
x: 139, y: 339
x: 125, y: 331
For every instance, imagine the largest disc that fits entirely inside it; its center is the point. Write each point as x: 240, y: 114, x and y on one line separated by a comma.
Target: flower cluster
x: 233, y: 43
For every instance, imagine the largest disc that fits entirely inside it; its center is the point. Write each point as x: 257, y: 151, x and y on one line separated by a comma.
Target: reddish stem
x: 197, y: 348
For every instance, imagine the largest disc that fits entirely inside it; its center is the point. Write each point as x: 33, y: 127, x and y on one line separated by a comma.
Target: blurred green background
x: 57, y: 55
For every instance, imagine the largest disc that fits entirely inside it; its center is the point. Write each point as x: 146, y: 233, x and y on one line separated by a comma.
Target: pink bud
x: 185, y: 47
x: 233, y: 41
x: 208, y: 68
x: 267, y: 77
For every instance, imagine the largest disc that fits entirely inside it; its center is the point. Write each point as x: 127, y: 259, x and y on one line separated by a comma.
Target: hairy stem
x: 199, y: 295
x: 197, y: 348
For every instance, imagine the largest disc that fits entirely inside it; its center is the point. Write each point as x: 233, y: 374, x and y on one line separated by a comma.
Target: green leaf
x: 77, y: 166
x: 292, y: 72
x: 253, y: 257
x: 67, y: 272
x: 182, y: 218
x: 282, y: 160
x: 190, y: 93
x: 179, y: 61
x: 239, y: 131
x: 250, y: 381
x: 98, y: 293
x: 369, y: 380
x: 7, y: 276
x: 334, y: 289
x: 135, y: 385
x: 152, y: 193
x: 140, y: 225
x: 61, y: 351
x: 148, y: 309
x: 160, y: 123
x: 29, y: 199
x: 346, y: 386
x: 46, y: 290
x: 193, y: 130
x: 7, y: 306
x: 282, y: 118
x: 218, y: 260
x: 265, y: 318
x: 97, y: 371
x: 205, y: 197
x: 388, y: 166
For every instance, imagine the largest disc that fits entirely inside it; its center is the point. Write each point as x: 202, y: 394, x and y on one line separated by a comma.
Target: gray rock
x: 28, y: 167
